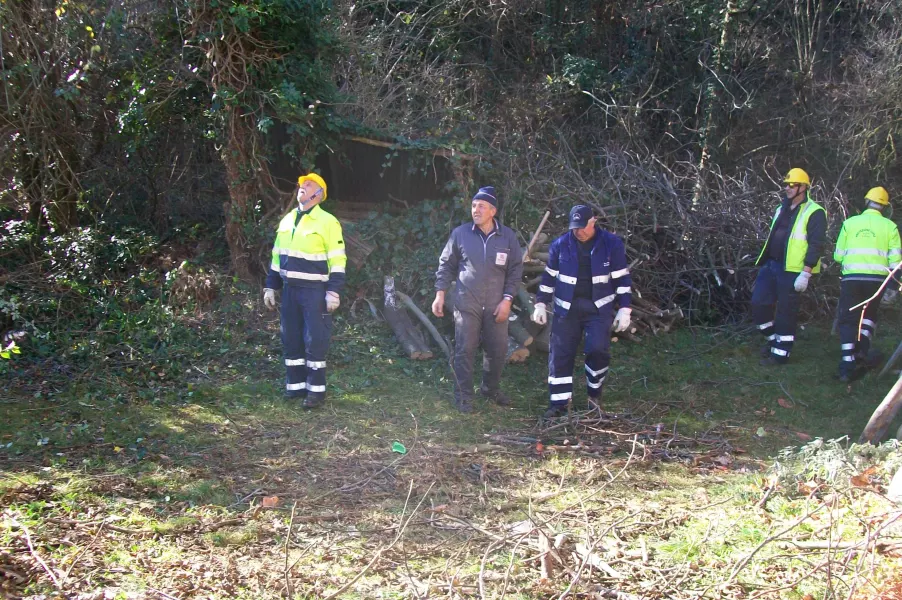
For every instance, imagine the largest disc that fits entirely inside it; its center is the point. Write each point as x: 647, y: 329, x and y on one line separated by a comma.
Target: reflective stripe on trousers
x: 306, y: 333
x: 852, y: 292
x: 775, y: 308
x: 583, y: 319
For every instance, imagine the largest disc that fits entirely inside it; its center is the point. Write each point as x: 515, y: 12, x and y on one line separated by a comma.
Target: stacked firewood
x: 524, y: 336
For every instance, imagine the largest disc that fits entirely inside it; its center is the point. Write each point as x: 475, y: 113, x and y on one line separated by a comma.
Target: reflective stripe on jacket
x: 309, y: 253
x: 610, y: 273
x: 868, y: 246
x: 798, y: 242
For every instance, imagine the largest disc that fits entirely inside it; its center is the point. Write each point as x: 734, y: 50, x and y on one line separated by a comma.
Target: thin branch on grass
x: 774, y: 536
x: 34, y: 553
x: 380, y: 551
x: 287, y: 542
x: 80, y: 554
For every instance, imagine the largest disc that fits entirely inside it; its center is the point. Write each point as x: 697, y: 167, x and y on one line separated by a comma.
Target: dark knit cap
x: 487, y: 194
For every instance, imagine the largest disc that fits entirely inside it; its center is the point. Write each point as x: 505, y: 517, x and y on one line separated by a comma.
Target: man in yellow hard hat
x: 308, y: 265
x: 789, y: 257
x: 868, y: 248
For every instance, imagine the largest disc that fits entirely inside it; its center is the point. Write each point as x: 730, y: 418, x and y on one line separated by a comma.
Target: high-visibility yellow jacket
x: 308, y: 252
x: 801, y: 238
x: 868, y: 246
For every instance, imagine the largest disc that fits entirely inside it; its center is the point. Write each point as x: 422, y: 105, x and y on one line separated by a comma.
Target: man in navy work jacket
x: 484, y: 258
x: 588, y: 274
x: 790, y: 255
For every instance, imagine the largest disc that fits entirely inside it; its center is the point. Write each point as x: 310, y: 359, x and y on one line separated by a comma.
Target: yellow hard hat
x: 315, y: 179
x: 878, y: 195
x: 797, y: 176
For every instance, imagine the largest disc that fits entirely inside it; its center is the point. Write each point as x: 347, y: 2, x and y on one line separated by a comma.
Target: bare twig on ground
x: 34, y: 553
x: 287, y: 543
x: 403, y: 526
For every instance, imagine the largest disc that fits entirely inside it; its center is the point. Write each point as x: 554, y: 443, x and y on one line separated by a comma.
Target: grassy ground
x: 132, y: 481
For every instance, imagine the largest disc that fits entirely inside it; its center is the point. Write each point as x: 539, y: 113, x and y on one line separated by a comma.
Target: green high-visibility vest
x: 797, y: 244
x: 868, y: 244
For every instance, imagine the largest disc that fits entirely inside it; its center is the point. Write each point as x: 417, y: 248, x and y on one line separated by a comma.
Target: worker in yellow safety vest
x: 789, y: 257
x: 308, y: 265
x: 868, y: 248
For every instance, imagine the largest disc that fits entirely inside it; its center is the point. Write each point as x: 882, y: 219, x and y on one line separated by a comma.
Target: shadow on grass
x: 201, y: 462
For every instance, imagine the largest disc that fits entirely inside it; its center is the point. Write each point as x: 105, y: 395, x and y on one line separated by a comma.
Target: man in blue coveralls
x: 587, y: 273
x: 484, y: 258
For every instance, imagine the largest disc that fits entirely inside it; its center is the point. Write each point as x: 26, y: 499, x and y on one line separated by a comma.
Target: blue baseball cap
x: 580, y: 216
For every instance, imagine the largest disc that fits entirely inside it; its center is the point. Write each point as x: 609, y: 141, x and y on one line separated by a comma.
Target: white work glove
x: 539, y: 315
x: 269, y: 298
x: 622, y: 319
x: 332, y: 301
x: 801, y: 283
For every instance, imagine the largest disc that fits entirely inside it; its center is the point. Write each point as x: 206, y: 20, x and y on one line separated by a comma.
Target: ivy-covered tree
x: 266, y: 61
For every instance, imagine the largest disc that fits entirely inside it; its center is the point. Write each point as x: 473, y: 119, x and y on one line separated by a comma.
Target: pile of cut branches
x: 524, y: 336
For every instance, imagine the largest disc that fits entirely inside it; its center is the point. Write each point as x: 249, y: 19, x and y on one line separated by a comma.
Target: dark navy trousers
x: 775, y: 308
x: 852, y: 292
x: 306, y: 331
x: 583, y: 318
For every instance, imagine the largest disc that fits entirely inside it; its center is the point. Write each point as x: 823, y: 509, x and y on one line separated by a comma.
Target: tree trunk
x: 710, y: 96
x: 241, y: 195
x: 883, y: 416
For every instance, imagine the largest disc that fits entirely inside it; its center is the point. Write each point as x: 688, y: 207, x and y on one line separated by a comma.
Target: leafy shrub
x: 406, y: 246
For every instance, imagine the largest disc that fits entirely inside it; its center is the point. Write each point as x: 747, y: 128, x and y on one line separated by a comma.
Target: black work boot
x: 464, y: 405
x: 499, y: 397
x: 554, y: 411
x: 298, y: 395
x: 771, y: 361
x: 851, y: 371
x: 871, y: 360
x: 310, y: 402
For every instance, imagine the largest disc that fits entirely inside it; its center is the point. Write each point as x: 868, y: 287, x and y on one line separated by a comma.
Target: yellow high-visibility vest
x: 797, y: 245
x: 868, y: 244
x: 311, y: 251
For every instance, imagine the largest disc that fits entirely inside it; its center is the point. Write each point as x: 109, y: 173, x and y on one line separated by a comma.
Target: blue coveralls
x: 486, y: 268
x: 583, y: 308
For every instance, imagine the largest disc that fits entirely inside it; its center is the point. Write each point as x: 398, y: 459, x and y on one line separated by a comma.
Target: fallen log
x: 539, y: 255
x: 525, y: 301
x: 883, y: 416
x: 425, y: 321
x: 410, y: 339
x: 534, y: 267
x: 519, y: 333
x: 542, y: 342
x: 515, y: 352
x: 533, y: 282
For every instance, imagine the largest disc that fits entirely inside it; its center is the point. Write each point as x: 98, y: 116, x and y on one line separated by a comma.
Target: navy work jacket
x: 610, y: 272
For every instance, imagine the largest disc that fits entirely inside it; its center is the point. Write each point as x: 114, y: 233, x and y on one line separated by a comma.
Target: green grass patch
x: 161, y: 471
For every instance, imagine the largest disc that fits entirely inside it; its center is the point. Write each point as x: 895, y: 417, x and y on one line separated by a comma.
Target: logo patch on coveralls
x: 501, y: 258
